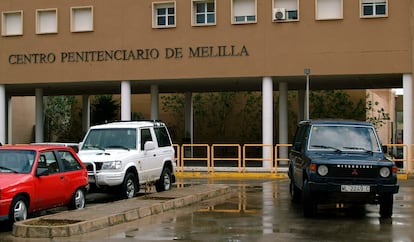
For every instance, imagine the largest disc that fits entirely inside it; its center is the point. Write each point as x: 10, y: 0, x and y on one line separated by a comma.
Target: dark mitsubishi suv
x: 336, y: 161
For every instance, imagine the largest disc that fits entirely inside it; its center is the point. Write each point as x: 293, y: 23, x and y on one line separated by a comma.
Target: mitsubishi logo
x: 355, y: 172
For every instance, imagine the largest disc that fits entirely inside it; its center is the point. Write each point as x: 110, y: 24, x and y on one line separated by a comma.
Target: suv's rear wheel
x: 386, y: 202
x: 129, y: 186
x: 164, y: 183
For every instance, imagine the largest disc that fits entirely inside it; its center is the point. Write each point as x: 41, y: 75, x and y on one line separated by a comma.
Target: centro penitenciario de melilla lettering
x: 128, y: 55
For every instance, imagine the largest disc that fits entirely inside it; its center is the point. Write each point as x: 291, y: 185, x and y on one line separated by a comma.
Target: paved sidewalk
x: 101, y: 216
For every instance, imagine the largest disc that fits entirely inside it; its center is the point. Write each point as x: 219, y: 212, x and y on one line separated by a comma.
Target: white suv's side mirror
x: 149, y: 145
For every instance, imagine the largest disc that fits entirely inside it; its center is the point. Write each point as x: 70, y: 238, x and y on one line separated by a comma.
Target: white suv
x: 125, y: 155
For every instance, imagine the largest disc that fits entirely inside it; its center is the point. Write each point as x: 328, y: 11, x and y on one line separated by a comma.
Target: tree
x: 59, y: 121
x: 237, y: 116
x: 104, y: 109
x: 377, y: 115
x: 218, y: 116
x: 174, y: 105
x: 337, y: 104
x: 212, y: 112
x: 249, y: 117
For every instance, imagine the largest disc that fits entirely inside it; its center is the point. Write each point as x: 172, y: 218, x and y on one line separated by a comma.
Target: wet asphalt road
x: 260, y: 210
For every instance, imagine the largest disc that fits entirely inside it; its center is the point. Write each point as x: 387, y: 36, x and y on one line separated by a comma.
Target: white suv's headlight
x: 322, y: 170
x: 112, y: 165
x: 384, y: 172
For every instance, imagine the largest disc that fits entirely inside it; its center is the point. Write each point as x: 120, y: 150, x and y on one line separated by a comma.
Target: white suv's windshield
x: 343, y: 138
x: 114, y: 138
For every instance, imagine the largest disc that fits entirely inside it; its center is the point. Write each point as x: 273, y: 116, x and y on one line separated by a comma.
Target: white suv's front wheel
x: 164, y: 183
x: 129, y: 186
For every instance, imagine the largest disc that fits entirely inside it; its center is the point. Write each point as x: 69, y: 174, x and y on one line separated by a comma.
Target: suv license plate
x: 355, y: 188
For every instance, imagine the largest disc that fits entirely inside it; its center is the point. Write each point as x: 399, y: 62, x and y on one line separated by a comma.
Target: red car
x: 39, y: 177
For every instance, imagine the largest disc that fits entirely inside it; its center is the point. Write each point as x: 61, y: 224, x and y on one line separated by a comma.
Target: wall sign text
x: 129, y: 55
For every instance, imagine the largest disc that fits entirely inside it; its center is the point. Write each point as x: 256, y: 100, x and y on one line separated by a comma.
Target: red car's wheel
x: 78, y: 200
x: 19, y: 209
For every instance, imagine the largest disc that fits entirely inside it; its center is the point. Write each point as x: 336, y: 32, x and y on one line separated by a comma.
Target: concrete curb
x: 76, y: 222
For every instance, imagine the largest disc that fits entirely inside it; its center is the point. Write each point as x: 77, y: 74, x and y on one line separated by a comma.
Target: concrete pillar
x: 188, y: 117
x: 283, y: 120
x: 39, y: 116
x: 125, y: 100
x: 154, y: 102
x: 3, y: 114
x: 86, y: 112
x: 408, y: 113
x: 267, y: 119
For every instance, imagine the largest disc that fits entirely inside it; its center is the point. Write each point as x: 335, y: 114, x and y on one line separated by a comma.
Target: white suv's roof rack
x: 124, y: 123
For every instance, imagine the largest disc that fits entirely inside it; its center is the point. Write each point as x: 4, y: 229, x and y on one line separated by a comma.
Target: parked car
x: 335, y: 161
x: 39, y: 177
x: 122, y: 156
x: 74, y: 146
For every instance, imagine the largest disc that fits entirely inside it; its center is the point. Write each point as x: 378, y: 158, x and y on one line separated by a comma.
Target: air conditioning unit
x: 279, y: 14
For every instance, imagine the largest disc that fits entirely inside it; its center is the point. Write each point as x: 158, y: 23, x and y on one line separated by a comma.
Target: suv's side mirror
x: 149, y: 145
x: 385, y: 149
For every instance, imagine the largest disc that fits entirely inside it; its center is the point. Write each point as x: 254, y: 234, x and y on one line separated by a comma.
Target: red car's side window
x: 69, y: 162
x: 48, y: 160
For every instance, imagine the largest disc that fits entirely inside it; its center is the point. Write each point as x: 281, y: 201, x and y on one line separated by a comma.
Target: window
x: 204, y: 12
x: 300, y: 137
x: 164, y: 15
x: 329, y: 9
x: 46, y: 21
x: 48, y: 160
x: 81, y: 19
x: 12, y: 23
x: 374, y: 8
x: 244, y: 11
x: 162, y: 137
x: 16, y: 161
x: 145, y: 136
x: 350, y: 138
x: 285, y: 10
x: 116, y: 138
x: 68, y: 161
